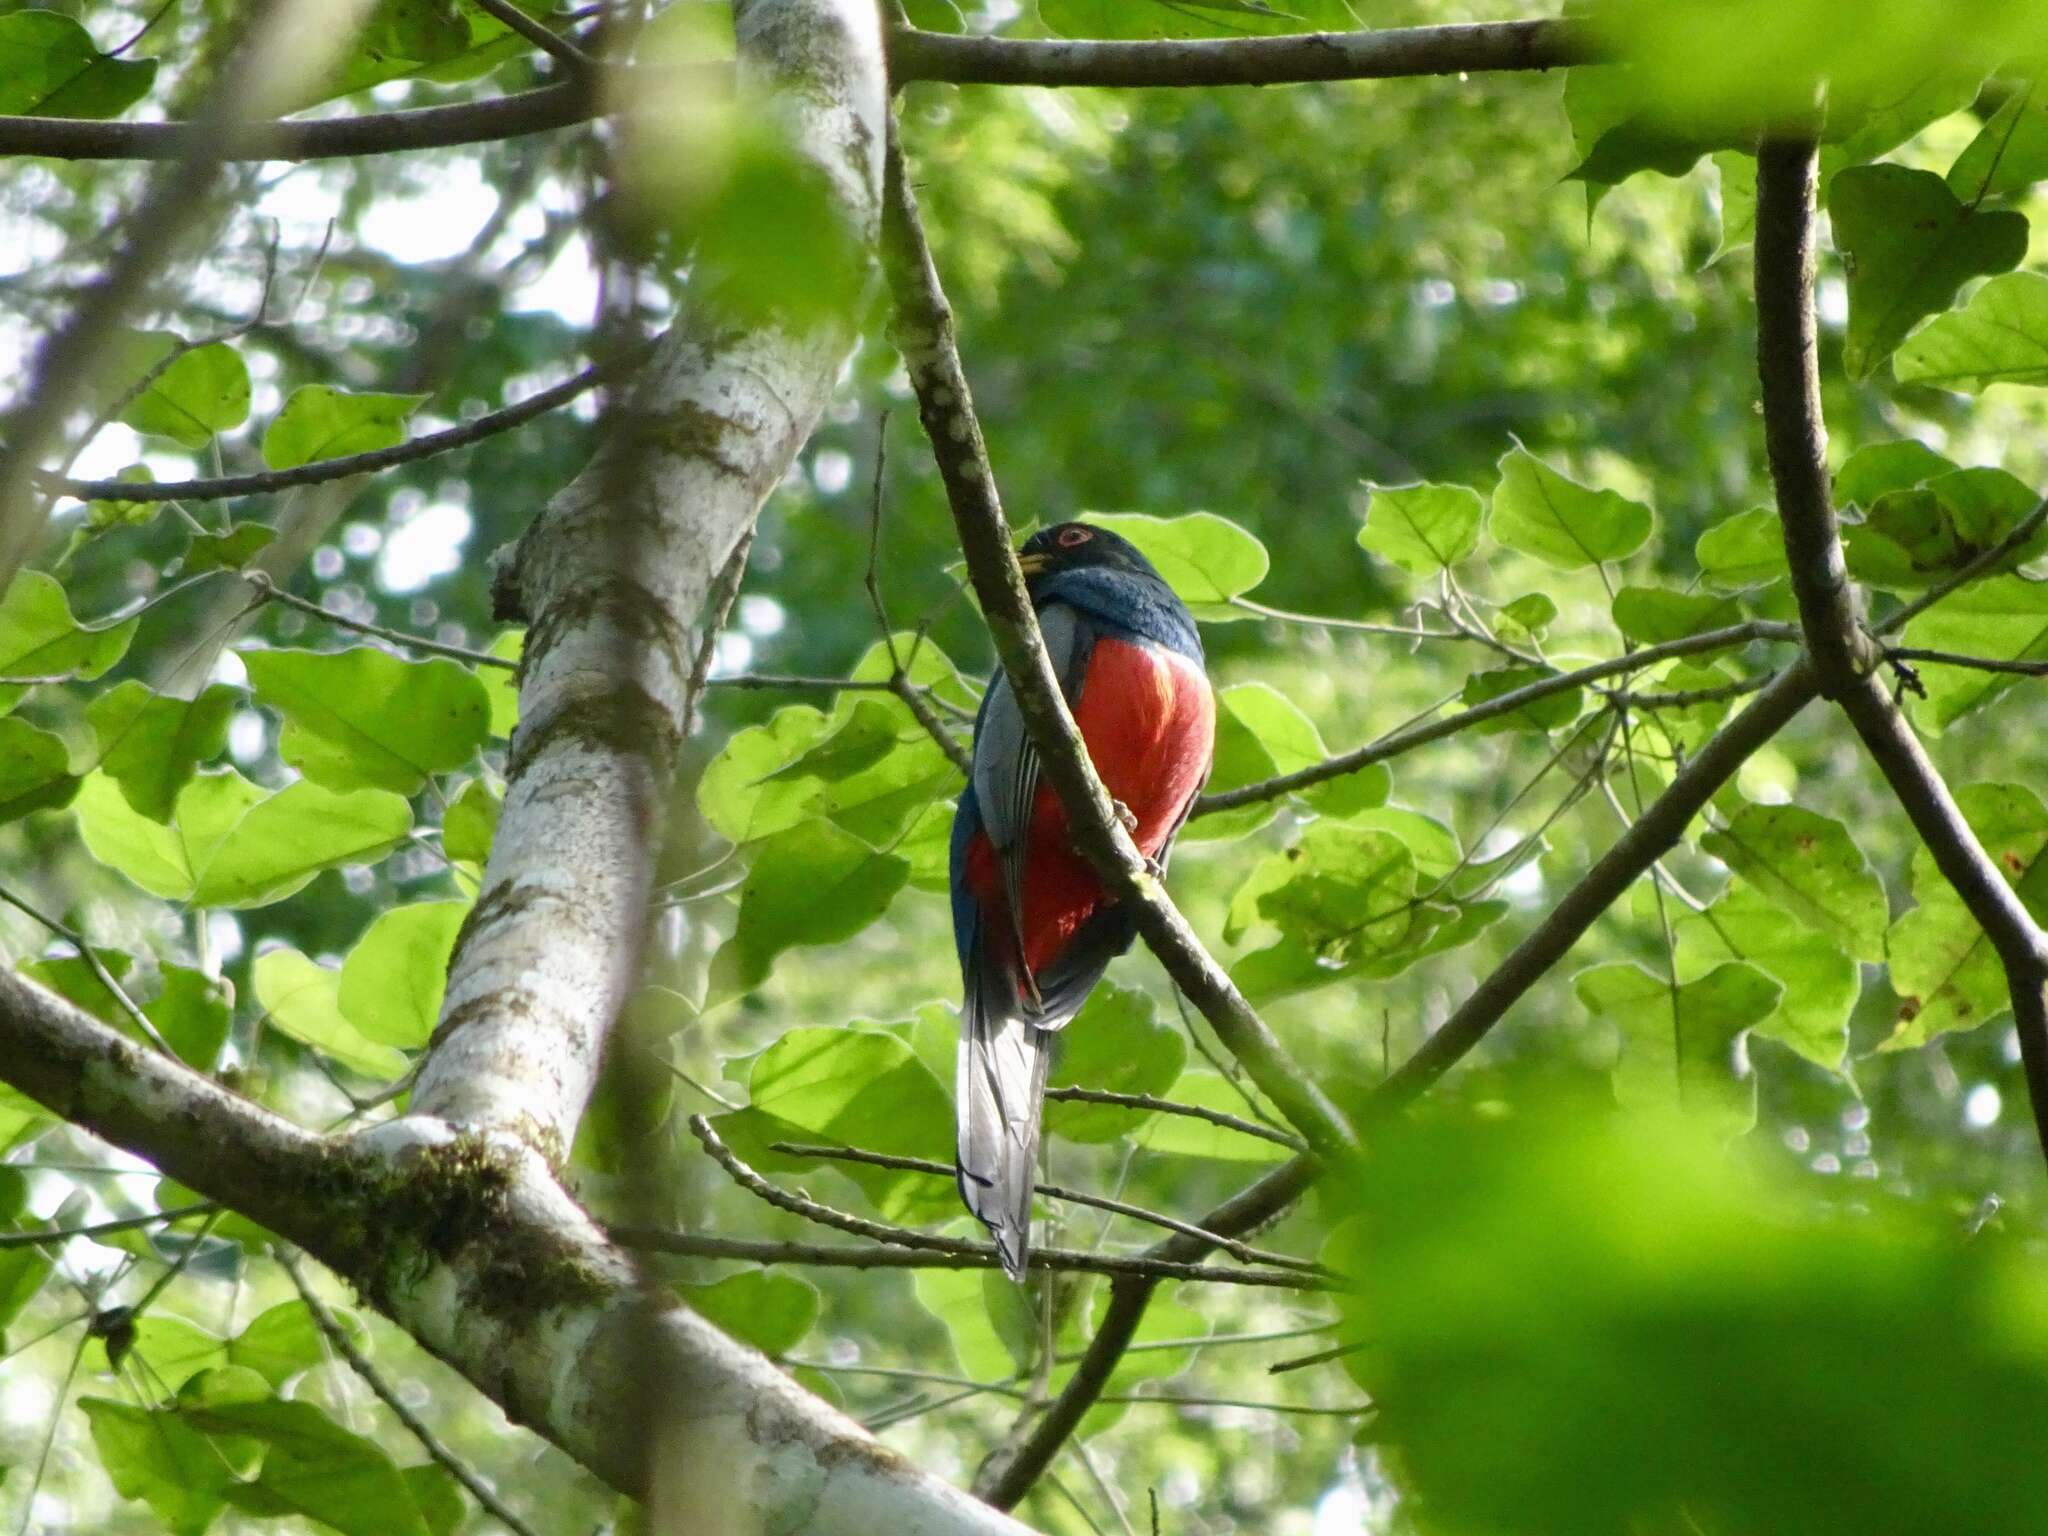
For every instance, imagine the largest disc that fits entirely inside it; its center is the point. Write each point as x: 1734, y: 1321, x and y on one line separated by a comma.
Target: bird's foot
x: 1127, y: 816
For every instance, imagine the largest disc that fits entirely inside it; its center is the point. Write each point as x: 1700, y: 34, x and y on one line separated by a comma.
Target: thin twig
x: 337, y: 1336
x: 541, y: 36
x: 93, y: 963
x: 1409, y: 738
x: 1146, y: 1103
x: 107, y: 1228
x: 321, y: 471
x: 906, y: 1237
x: 1243, y: 1252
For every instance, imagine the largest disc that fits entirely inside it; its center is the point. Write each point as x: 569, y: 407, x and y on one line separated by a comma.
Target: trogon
x: 1033, y: 925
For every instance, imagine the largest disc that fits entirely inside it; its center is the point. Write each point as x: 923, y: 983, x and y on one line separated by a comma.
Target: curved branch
x: 1506, y: 704
x: 374, y: 133
x: 1144, y: 1267
x: 319, y: 471
x: 1844, y: 658
x: 1392, y: 53
x: 1389, y: 54
x: 923, y: 330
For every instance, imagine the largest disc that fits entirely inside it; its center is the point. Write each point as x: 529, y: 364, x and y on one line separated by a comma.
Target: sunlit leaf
x: 1119, y: 1043
x: 1654, y: 615
x: 2004, y: 619
x: 1945, y: 971
x: 302, y: 1000
x: 470, y: 824
x: 365, y: 719
x: 392, y: 981
x: 1910, y: 245
x: 1548, y: 713
x: 1999, y: 337
x: 1543, y: 513
x: 2010, y: 152
x: 320, y: 421
x: 1206, y: 559
x: 1745, y: 550
x: 814, y: 884
x: 35, y: 770
x: 1821, y: 982
x: 204, y: 391
x: 151, y: 744
x: 763, y: 1307
x: 1808, y: 865
x: 50, y: 68
x: 39, y: 638
x: 1260, y: 734
x: 1678, y: 1040
x: 1422, y: 528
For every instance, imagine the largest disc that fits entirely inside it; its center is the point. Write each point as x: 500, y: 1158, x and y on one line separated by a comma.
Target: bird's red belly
x: 1149, y: 722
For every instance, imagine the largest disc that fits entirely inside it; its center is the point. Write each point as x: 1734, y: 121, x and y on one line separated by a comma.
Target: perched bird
x: 1033, y: 925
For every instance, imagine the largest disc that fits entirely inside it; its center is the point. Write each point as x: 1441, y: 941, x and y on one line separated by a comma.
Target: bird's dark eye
x: 1073, y: 538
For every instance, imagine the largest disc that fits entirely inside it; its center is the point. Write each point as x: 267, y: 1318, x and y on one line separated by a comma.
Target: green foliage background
x: 1257, y: 305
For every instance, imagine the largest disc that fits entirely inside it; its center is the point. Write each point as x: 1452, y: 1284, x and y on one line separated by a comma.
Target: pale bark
x: 613, y: 575
x: 452, y: 1219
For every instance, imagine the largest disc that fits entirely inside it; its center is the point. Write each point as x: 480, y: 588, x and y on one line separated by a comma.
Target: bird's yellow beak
x: 1031, y: 565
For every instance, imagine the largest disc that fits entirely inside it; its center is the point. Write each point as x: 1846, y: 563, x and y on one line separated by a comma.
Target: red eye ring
x: 1073, y: 538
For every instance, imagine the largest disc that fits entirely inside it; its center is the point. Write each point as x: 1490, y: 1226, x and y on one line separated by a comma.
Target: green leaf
x: 50, y: 68
x: 871, y: 773
x: 392, y: 981
x: 1678, y: 1043
x: 1185, y: 1136
x: 322, y: 422
x: 230, y: 551
x: 1999, y: 337
x: 1543, y: 513
x: 1545, y: 714
x: 1880, y: 468
x: 470, y: 824
x: 39, y: 637
x: 1944, y: 970
x: 2004, y: 618
x: 191, y: 1012
x: 1117, y: 1043
x: 204, y: 392
x: 1654, y: 615
x: 1911, y: 539
x: 1259, y: 734
x: 303, y: 1000
x: 151, y: 744
x: 1821, y: 982
x: 155, y: 1456
x: 1531, y: 613
x: 1342, y: 891
x: 1738, y: 202
x: 365, y: 719
x: 503, y: 686
x: 284, y: 1340
x: 1909, y: 245
x: 35, y: 770
x: 315, y: 1468
x: 1808, y: 865
x: 22, y: 1273
x: 814, y: 884
x: 855, y: 1088
x: 1206, y: 559
x: 763, y: 1307
x: 2010, y: 152
x: 1745, y: 550
x: 1421, y: 528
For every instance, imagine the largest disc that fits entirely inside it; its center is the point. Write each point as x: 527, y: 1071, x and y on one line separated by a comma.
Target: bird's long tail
x: 999, y: 1088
